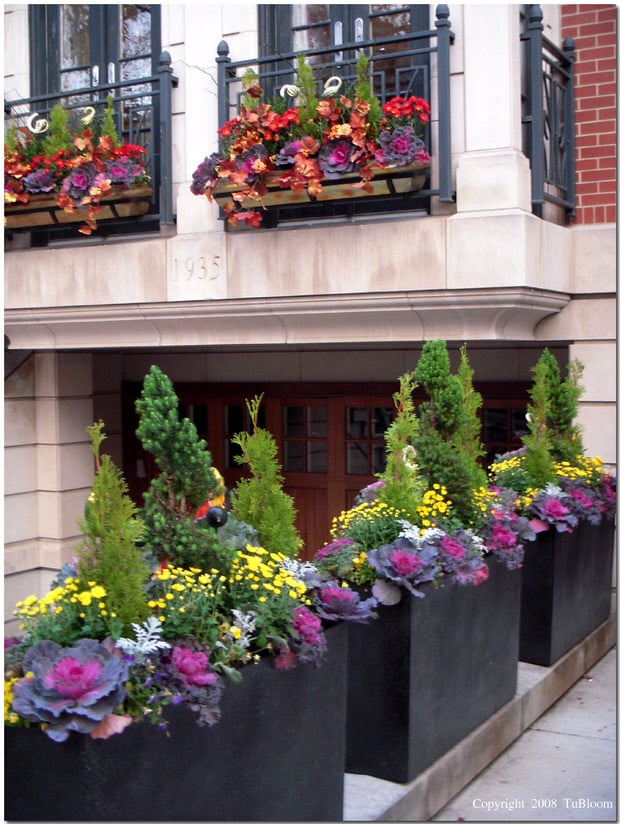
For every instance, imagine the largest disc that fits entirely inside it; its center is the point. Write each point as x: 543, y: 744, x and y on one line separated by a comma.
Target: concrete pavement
x: 533, y: 751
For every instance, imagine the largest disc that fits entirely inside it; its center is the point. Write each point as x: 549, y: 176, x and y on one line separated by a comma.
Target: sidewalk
x: 532, y: 747
x: 563, y: 768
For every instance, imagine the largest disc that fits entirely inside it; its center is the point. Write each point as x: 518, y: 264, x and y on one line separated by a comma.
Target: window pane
x: 317, y: 421
x: 357, y: 422
x: 294, y: 421
x: 293, y: 456
x: 234, y: 419
x: 381, y: 419
x: 495, y: 425
x: 519, y: 423
x: 74, y: 48
x: 317, y: 456
x: 378, y: 458
x: 357, y: 459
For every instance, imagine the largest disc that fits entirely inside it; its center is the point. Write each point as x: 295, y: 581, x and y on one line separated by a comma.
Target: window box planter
x: 42, y: 211
x: 566, y: 593
x: 276, y: 754
x: 393, y: 181
x: 428, y: 672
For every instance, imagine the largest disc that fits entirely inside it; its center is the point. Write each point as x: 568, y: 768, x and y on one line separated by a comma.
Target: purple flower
x: 287, y: 153
x: 123, y: 171
x: 333, y: 548
x: 336, y: 158
x: 336, y: 603
x: 405, y: 564
x: 206, y: 173
x: 39, y: 181
x: 399, y: 147
x: 79, y: 181
x: 70, y: 688
x: 191, y: 667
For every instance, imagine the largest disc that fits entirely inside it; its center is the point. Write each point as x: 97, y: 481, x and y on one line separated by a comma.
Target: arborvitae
x: 553, y: 433
x: 108, y: 127
x: 363, y: 90
x: 184, y: 483
x: 403, y: 488
x: 59, y: 135
x: 468, y: 437
x: 109, y: 553
x: 441, y: 420
x: 260, y: 500
x: 308, y: 101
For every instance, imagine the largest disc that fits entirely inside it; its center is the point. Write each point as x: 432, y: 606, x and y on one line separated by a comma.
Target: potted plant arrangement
x: 341, y: 145
x: 180, y: 668
x: 570, y: 502
x: 53, y: 176
x: 441, y: 553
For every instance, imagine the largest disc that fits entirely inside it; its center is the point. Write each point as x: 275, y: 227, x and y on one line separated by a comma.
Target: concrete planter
x: 428, y: 672
x: 566, y: 590
x: 277, y: 754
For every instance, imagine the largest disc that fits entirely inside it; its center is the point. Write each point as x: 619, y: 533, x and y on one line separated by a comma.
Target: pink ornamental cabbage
x: 69, y: 689
x: 192, y: 667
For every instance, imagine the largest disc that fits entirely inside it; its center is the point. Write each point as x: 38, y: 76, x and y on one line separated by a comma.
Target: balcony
x: 142, y: 117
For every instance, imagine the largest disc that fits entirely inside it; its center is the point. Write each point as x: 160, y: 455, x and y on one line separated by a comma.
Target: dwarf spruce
x: 184, y: 483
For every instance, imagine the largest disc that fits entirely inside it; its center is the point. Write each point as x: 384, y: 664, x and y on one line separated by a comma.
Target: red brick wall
x: 593, y: 28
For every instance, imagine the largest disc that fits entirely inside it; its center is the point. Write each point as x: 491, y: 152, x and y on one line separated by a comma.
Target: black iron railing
x: 412, y: 52
x: 549, y: 116
x: 143, y: 117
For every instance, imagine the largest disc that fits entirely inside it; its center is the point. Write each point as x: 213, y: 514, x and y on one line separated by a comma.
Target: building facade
x: 321, y: 310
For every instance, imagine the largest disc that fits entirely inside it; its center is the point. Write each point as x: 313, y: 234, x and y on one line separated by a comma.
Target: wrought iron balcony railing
x: 400, y: 65
x: 549, y: 116
x: 142, y: 113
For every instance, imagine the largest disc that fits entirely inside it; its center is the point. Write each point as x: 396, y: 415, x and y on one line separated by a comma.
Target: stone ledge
x: 373, y: 799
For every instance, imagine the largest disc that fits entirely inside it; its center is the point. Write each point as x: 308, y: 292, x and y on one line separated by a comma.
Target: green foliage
x: 108, y: 127
x: 444, y: 425
x: 109, y: 553
x: 308, y: 100
x: 363, y: 90
x: 468, y: 438
x: 403, y: 487
x: 260, y: 500
x: 59, y: 134
x: 553, y: 434
x: 185, y: 481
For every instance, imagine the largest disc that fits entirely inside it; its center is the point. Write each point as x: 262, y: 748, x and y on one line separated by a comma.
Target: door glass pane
x: 378, y: 458
x: 381, y: 419
x: 357, y: 422
x: 74, y: 46
x: 357, y: 459
x: 311, y: 27
x: 519, y: 423
x: 495, y: 425
x: 317, y: 456
x: 294, y: 421
x: 317, y: 421
x: 293, y: 456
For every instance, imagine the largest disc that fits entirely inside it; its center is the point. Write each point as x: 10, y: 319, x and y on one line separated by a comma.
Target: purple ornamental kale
x: 336, y: 603
x: 39, y: 181
x: 123, y: 170
x: 404, y: 564
x: 550, y: 508
x: 255, y: 161
x: 336, y: 158
x: 70, y: 688
x: 206, y: 173
x: 188, y: 673
x: 400, y: 146
x: 286, y: 155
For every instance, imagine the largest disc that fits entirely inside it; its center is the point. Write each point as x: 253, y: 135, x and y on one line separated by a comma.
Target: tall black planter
x: 428, y: 672
x: 566, y: 590
x: 277, y: 754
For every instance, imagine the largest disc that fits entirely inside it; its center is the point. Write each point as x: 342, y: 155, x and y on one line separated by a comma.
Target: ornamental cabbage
x: 69, y: 688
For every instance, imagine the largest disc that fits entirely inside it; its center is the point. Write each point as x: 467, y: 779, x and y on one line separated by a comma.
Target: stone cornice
x: 469, y: 314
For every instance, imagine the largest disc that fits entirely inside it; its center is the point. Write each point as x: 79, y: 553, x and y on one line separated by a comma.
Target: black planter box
x: 566, y: 591
x: 277, y: 754
x: 428, y: 672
